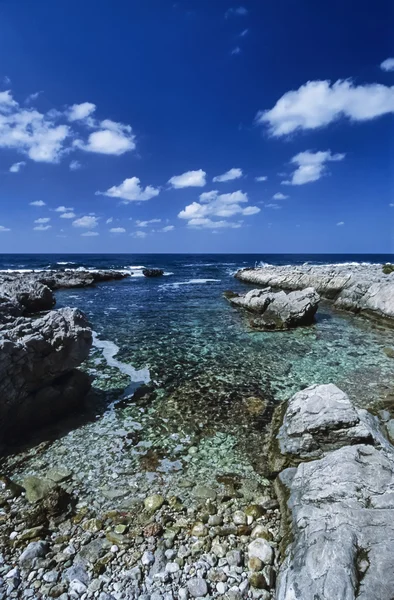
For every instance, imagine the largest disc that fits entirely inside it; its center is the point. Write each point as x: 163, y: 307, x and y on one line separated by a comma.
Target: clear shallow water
x: 214, y: 382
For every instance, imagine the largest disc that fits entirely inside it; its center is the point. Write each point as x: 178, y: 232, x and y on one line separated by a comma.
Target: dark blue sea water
x: 214, y: 382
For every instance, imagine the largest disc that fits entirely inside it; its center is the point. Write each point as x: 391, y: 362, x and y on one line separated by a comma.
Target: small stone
x: 221, y: 587
x: 34, y: 550
x: 255, y: 564
x: 234, y: 558
x: 254, y: 510
x: 182, y: 594
x: 30, y: 534
x: 114, y: 549
x: 199, y: 530
x: 58, y: 474
x: 261, y: 549
x: 219, y: 549
x: 215, y: 520
x: 260, y: 531
x: 93, y: 525
x: 239, y: 518
x: 37, y: 488
x: 197, y: 587
x: 51, y: 576
x: 153, y: 503
x: 204, y: 492
x: 114, y: 493
x: 77, y: 587
x: 147, y: 558
x: 257, y: 580
x: 121, y: 528
x: 172, y: 567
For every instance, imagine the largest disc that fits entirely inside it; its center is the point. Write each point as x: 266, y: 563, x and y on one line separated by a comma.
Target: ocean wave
x: 110, y: 350
x: 67, y: 262
x: 189, y: 282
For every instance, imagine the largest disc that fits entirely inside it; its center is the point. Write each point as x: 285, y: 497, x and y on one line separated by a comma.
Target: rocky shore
x: 359, y: 288
x: 337, y: 498
x: 40, y: 350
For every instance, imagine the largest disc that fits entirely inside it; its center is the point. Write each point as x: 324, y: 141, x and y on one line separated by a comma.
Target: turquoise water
x: 211, y: 382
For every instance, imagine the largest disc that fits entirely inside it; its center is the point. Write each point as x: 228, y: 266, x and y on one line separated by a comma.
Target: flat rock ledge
x: 358, y: 288
x: 277, y: 310
x: 337, y: 501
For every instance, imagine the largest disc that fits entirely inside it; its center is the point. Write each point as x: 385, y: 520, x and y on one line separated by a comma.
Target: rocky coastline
x: 364, y: 289
x: 321, y: 525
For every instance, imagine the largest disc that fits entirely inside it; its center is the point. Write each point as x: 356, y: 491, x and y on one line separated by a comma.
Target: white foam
x: 110, y: 350
x: 190, y: 282
x: 67, y: 262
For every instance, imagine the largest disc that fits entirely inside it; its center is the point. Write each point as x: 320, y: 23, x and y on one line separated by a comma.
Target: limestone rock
x: 322, y: 418
x: 278, y: 310
x: 356, y: 287
x: 37, y: 362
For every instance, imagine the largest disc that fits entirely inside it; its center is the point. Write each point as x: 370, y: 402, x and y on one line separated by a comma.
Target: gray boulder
x: 278, y: 310
x: 361, y: 288
x: 37, y: 362
x: 24, y: 296
x: 339, y: 509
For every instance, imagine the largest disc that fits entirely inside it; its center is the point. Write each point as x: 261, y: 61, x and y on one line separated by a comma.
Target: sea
x: 182, y: 388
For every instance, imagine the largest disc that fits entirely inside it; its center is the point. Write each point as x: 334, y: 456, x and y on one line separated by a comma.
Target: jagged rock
x: 339, y: 529
x: 24, y: 296
x: 278, y: 310
x: 34, y: 550
x: 356, y: 287
x: 322, y: 418
x: 37, y: 362
x: 153, y: 272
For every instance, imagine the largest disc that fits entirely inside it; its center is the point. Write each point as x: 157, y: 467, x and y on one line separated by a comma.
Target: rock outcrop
x: 355, y: 287
x: 153, y: 272
x: 278, y: 310
x: 38, y: 358
x: 339, y: 530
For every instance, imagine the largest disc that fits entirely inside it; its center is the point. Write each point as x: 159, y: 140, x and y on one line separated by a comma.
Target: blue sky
x: 196, y: 126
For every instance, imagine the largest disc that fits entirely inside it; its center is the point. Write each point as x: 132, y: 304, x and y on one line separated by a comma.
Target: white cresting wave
x: 110, y: 350
x: 189, y: 282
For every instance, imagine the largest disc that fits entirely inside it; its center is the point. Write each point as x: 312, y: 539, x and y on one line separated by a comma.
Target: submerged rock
x: 278, y: 310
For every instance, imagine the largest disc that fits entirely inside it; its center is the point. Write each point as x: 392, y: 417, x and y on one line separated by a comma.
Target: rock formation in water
x: 359, y: 288
x: 337, y: 500
x: 153, y: 272
x: 277, y: 310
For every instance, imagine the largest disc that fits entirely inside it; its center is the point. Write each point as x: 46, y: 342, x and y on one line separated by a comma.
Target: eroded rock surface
x: 340, y: 506
x: 38, y: 358
x: 278, y: 310
x: 359, y: 288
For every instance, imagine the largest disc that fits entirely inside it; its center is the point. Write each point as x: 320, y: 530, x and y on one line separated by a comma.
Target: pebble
x: 261, y: 549
x: 197, y: 587
x: 147, y: 558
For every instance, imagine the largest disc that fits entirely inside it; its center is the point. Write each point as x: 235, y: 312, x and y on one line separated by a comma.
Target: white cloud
x: 88, y: 222
x: 261, y: 178
x: 78, y: 112
x: 29, y: 131
x: 131, y: 190
x: 62, y: 209
x: 318, y: 103
x: 89, y: 233
x: 272, y: 205
x: 239, y: 11
x: 167, y: 228
x: 42, y: 220
x: 391, y: 204
x: 117, y: 230
x: 32, y: 97
x: 387, y: 65
x: 213, y: 204
x: 68, y: 215
x: 139, y: 234
x: 75, y: 165
x: 279, y: 196
x: 233, y: 173
x: 111, y: 138
x: 244, y: 32
x: 16, y: 167
x: 236, y: 50
x: 206, y: 223
x: 146, y: 223
x: 340, y: 223
x: 311, y: 166
x: 37, y: 203
x: 108, y: 221
x: 42, y: 227
x: 3, y: 229
x: 189, y: 179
